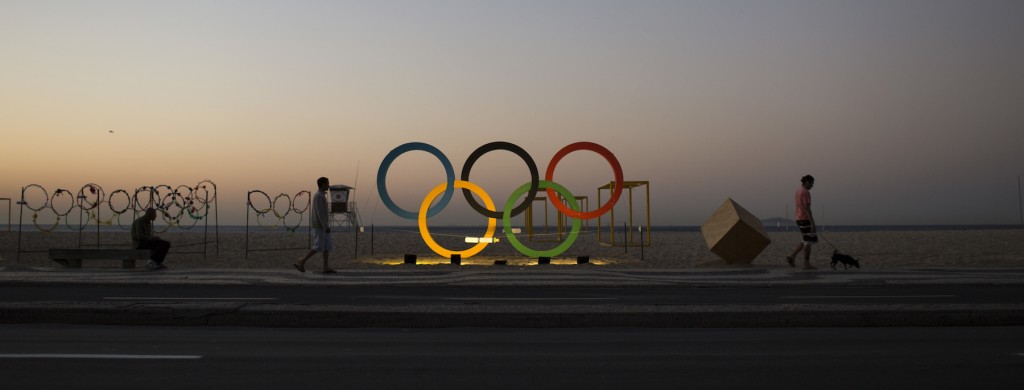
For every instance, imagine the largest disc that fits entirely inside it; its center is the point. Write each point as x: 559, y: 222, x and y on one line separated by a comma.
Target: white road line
x: 528, y: 299
x: 865, y: 296
x: 93, y: 356
x: 184, y: 299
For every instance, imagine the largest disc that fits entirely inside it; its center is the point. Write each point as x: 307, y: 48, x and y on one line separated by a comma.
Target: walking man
x: 143, y: 238
x: 320, y: 223
x: 805, y: 221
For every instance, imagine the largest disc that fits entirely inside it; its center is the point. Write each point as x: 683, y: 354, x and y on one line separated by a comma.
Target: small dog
x: 847, y: 260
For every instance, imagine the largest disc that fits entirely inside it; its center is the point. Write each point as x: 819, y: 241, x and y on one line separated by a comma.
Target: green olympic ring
x: 506, y: 220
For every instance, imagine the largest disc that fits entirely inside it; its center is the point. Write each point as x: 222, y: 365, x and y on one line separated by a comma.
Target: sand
x: 669, y: 250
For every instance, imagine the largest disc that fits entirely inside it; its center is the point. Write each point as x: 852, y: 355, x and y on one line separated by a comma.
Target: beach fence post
x: 8, y: 212
x: 81, y: 214
x: 98, y: 209
x: 1020, y: 201
x: 248, y: 205
x: 355, y: 254
x: 625, y: 228
x: 641, y: 228
x: 21, y: 215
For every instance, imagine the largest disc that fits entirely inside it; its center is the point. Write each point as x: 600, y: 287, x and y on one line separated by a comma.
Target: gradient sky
x: 907, y: 112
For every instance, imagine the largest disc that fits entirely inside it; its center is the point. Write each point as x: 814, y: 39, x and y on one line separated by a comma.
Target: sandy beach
x: 669, y: 250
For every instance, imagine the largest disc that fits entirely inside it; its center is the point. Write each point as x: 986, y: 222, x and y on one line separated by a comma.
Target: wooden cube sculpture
x: 734, y: 234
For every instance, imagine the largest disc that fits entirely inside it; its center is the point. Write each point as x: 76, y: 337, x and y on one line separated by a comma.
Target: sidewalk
x: 583, y: 275
x: 261, y: 314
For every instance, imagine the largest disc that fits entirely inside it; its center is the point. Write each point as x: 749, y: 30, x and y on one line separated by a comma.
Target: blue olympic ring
x: 386, y: 164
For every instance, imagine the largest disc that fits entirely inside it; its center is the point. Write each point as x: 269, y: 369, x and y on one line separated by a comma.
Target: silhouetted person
x: 805, y: 221
x: 320, y: 223
x: 143, y: 238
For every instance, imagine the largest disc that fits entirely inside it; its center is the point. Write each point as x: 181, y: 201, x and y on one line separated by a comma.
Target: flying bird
x: 111, y: 131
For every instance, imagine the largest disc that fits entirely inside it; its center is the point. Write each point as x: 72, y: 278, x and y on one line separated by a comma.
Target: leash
x: 828, y: 242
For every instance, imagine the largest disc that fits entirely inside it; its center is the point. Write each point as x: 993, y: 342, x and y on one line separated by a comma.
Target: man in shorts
x: 320, y: 223
x: 805, y: 221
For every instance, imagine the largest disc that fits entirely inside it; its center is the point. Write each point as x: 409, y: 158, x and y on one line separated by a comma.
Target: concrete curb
x: 445, y: 316
x: 518, y: 277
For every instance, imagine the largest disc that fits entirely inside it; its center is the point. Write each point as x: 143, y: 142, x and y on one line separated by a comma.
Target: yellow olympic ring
x: 425, y: 232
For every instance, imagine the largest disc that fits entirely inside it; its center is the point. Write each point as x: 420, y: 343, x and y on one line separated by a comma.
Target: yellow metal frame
x: 562, y: 222
x: 629, y: 186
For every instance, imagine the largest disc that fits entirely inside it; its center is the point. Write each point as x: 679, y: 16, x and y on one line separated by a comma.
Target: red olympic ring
x: 616, y: 168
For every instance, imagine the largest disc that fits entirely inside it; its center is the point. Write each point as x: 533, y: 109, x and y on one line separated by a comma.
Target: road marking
x: 184, y: 299
x: 527, y: 299
x: 93, y: 356
x: 865, y: 296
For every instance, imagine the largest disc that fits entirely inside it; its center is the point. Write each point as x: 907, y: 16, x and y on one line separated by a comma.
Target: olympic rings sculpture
x: 445, y: 190
x: 290, y: 204
x: 173, y: 203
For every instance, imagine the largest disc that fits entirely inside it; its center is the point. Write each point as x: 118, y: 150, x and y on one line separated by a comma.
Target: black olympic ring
x: 83, y: 199
x: 110, y: 201
x: 273, y: 205
x: 501, y: 145
x: 138, y: 206
x: 46, y: 197
x: 54, y: 197
x: 160, y: 204
x: 270, y: 203
x: 176, y: 218
x: 185, y: 197
x: 206, y: 192
x: 295, y: 201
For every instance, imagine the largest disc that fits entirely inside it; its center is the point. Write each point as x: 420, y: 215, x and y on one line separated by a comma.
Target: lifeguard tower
x: 343, y: 213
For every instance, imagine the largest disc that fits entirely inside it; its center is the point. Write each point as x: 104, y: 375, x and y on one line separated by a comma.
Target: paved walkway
x: 269, y: 314
x: 511, y: 276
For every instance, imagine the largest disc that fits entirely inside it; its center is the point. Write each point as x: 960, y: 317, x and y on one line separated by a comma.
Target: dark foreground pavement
x: 105, y: 357
x: 512, y: 297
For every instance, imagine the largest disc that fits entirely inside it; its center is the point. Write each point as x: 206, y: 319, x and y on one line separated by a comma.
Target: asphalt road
x: 534, y: 295
x: 84, y: 357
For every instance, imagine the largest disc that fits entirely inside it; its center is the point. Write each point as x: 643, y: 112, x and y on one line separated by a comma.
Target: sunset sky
x: 907, y: 112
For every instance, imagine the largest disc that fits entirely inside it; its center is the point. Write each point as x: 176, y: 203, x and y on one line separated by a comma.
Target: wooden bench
x: 73, y: 257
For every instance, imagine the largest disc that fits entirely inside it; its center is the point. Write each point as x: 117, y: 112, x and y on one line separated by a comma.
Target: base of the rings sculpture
x: 629, y: 228
x: 456, y: 259
x: 490, y: 261
x: 410, y: 259
x: 543, y: 260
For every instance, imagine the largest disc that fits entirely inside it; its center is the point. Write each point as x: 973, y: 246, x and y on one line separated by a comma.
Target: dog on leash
x: 847, y: 260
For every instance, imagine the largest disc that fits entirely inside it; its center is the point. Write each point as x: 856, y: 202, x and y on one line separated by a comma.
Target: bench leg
x: 127, y: 264
x: 75, y: 263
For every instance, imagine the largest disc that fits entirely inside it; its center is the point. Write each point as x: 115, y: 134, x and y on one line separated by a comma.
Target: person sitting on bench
x: 143, y: 238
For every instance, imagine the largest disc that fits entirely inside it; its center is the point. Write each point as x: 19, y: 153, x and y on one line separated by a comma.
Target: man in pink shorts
x: 805, y: 221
